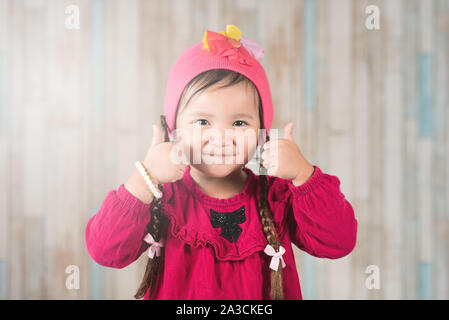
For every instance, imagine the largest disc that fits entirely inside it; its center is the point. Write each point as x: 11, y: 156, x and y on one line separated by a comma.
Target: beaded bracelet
x: 156, y: 192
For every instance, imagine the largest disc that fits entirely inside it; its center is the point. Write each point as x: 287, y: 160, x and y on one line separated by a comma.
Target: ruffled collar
x: 199, y: 194
x: 191, y: 221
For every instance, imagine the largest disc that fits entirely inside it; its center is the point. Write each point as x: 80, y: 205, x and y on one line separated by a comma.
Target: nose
x: 221, y: 137
x: 220, y: 140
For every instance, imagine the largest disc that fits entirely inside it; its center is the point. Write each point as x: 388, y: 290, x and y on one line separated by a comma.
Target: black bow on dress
x: 229, y: 223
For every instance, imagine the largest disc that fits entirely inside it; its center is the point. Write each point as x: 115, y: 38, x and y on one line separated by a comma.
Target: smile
x: 218, y: 155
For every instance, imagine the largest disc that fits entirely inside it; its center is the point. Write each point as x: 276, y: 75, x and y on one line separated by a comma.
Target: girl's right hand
x: 159, y: 160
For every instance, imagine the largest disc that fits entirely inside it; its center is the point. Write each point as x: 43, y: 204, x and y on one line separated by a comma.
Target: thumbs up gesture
x: 282, y: 158
x: 159, y: 159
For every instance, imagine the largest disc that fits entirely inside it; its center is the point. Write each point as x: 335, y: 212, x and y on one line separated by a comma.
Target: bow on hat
x: 276, y: 256
x: 230, y: 44
x: 155, y: 247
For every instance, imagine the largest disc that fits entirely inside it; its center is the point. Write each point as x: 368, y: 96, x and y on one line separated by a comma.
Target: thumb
x: 288, y: 131
x: 157, y: 136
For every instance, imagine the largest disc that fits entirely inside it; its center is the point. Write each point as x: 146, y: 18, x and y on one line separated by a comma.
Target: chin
x: 218, y: 170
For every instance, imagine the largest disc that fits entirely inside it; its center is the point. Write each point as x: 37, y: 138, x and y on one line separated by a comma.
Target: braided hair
x: 157, y: 225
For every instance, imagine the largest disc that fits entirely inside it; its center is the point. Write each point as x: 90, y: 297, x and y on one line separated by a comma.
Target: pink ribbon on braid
x: 155, y: 247
x: 269, y: 250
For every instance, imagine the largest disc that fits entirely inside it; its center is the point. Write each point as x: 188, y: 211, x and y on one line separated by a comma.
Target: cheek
x: 246, y: 142
x: 190, y: 142
x: 250, y: 150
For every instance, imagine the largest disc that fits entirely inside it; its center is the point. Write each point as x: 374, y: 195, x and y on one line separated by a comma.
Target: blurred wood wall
x: 370, y: 106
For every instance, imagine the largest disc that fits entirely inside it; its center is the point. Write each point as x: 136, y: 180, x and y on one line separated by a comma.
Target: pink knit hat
x: 222, y: 50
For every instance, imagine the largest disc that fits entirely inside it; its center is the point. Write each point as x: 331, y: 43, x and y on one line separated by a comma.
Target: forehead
x: 240, y: 97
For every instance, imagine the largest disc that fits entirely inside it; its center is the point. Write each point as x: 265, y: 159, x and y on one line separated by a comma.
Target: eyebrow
x: 237, y: 115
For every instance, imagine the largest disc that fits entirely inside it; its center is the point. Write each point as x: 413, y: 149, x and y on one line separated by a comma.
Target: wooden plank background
x: 370, y: 106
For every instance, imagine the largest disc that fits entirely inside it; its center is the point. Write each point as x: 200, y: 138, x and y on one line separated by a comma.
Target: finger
x: 267, y: 163
x: 183, y: 156
x: 270, y: 166
x: 157, y: 136
x: 268, y: 155
x: 177, y: 156
x: 179, y: 175
x: 270, y: 152
x: 177, y: 137
x: 272, y: 171
x: 182, y: 166
x: 270, y: 144
x: 266, y: 145
x: 288, y: 131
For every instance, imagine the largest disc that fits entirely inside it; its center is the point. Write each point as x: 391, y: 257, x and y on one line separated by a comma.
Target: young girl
x: 214, y: 229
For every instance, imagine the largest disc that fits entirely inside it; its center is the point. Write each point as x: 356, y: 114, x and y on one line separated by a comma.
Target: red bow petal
x: 220, y: 45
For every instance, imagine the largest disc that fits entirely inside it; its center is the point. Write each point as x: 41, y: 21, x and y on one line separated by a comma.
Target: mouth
x: 219, y: 155
x: 218, y: 158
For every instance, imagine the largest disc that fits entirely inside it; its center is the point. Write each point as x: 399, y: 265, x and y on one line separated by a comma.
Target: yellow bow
x: 232, y: 32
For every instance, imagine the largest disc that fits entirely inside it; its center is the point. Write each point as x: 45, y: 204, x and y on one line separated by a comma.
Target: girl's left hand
x: 282, y: 158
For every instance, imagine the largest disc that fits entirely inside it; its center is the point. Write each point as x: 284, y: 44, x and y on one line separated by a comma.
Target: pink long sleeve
x: 114, y: 234
x: 320, y: 220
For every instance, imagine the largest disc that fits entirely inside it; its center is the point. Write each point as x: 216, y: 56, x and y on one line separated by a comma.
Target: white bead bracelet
x: 156, y: 192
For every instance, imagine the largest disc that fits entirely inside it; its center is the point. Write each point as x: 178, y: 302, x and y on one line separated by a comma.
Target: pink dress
x: 215, y: 247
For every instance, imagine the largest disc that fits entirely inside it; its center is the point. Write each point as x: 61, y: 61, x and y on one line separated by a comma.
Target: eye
x: 201, y: 122
x: 240, y: 123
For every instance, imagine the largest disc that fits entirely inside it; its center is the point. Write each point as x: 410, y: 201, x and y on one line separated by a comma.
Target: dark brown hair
x: 158, y: 223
